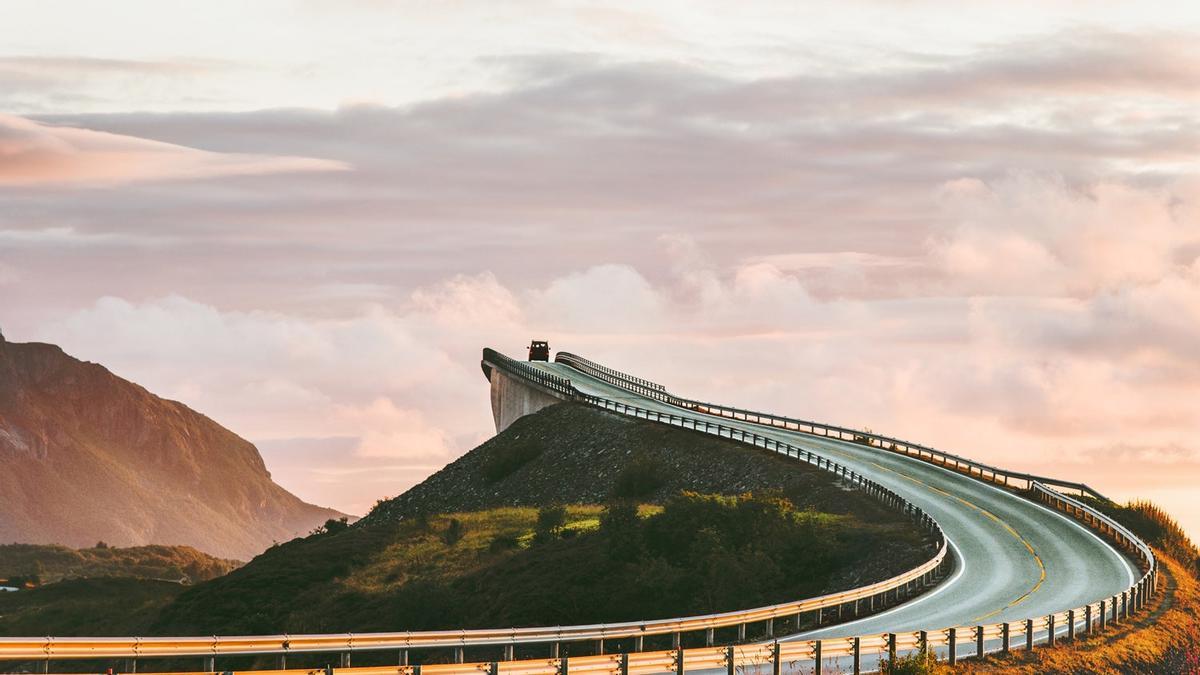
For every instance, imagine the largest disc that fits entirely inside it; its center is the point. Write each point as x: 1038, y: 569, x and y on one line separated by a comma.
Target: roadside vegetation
x: 559, y: 564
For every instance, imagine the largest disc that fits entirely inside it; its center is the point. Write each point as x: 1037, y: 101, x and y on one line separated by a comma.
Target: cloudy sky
x: 976, y: 229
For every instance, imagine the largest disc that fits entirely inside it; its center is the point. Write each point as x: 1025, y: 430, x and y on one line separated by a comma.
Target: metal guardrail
x: 530, y: 373
x: 842, y: 653
x: 949, y: 460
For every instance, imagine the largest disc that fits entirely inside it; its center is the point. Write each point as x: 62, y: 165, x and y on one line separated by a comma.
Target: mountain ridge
x: 88, y: 455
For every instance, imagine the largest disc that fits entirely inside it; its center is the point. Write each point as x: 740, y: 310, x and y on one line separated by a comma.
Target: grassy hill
x: 51, y: 563
x: 696, y: 554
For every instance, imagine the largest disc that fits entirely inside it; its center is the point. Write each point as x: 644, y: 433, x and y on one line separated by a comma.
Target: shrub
x: 640, y: 478
x: 454, y: 532
x: 550, y: 521
x: 332, y: 526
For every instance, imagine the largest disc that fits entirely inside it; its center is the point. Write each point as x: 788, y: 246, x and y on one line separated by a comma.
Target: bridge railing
x: 949, y: 460
x: 530, y: 373
x: 635, y: 384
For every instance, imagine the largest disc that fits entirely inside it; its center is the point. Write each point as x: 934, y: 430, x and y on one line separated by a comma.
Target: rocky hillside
x: 87, y: 456
x: 571, y: 453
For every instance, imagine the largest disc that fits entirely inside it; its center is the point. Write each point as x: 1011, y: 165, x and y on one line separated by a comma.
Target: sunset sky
x: 978, y: 229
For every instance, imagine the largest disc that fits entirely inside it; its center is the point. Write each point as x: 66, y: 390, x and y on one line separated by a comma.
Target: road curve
x: 1014, y: 559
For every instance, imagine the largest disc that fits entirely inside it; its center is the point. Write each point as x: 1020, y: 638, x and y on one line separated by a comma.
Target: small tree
x: 340, y: 525
x: 550, y: 521
x: 101, y: 544
x: 620, y: 524
x: 454, y: 532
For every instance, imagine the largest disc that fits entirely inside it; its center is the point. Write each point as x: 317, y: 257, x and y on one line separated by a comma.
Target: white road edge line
x: 962, y: 567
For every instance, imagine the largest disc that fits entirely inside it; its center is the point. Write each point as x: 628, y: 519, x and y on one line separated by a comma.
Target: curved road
x: 1014, y: 559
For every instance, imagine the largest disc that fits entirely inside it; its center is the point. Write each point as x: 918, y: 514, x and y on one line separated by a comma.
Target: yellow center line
x: 1036, y: 558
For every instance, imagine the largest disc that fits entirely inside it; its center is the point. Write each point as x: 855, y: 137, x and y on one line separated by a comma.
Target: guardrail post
x: 1050, y: 630
x: 1103, y: 615
x: 403, y: 657
x: 1029, y: 635
x: 675, y: 639
x: 1070, y: 625
x: 730, y: 662
x: 1087, y: 619
x: 625, y: 664
x: 1115, y: 618
x: 564, y: 668
x: 741, y: 636
x: 891, y: 647
x: 639, y: 643
x: 493, y: 668
x: 952, y: 657
x: 776, y: 662
x: 458, y: 654
x: 209, y: 664
x: 708, y: 637
x: 816, y: 657
x: 600, y: 646
x: 770, y: 628
x: 283, y: 661
x: 1004, y: 638
x: 344, y: 660
x: 555, y: 649
x: 508, y: 653
x: 979, y: 642
x: 679, y: 661
x: 857, y: 653
x: 1124, y: 605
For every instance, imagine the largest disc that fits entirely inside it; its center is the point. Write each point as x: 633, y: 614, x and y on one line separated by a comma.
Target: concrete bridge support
x: 514, y: 398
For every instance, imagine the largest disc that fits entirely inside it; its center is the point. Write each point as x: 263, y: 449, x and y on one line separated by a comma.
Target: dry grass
x: 1159, y: 640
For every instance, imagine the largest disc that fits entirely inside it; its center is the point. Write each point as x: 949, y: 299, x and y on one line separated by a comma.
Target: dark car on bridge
x: 539, y: 350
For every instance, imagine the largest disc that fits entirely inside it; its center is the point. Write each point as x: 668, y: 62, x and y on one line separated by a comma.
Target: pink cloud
x: 33, y: 153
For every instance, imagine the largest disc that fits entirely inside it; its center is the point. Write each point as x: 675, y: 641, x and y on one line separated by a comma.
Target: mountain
x: 88, y: 456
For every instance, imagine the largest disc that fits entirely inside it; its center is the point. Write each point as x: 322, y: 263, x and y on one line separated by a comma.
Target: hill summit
x: 88, y: 456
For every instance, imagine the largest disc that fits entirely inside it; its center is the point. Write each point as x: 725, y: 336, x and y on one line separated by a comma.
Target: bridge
x: 1020, y: 563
